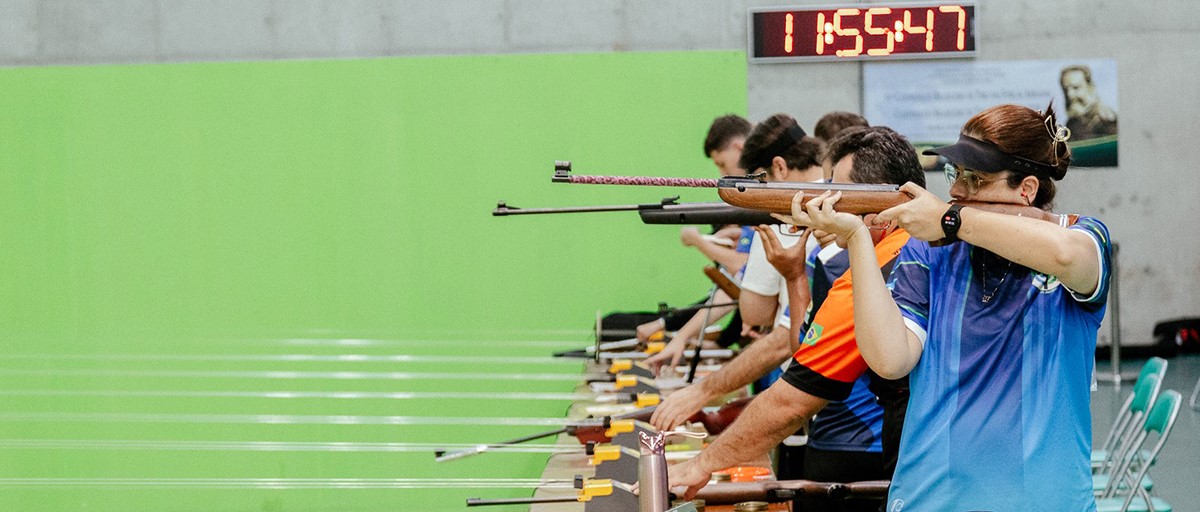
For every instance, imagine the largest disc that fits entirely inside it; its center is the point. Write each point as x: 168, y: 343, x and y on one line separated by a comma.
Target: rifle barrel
x: 503, y: 209
x: 786, y: 490
x: 480, y: 502
x: 705, y: 213
x: 443, y: 455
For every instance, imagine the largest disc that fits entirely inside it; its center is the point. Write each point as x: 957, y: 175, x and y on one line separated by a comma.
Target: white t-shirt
x: 761, y: 277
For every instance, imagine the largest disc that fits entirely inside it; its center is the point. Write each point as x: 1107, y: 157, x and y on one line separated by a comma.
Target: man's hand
x: 648, y: 329
x: 678, y: 407
x: 921, y: 217
x: 670, y: 355
x: 823, y: 238
x: 819, y: 214
x: 688, y: 474
x: 754, y: 332
x: 690, y: 236
x: 789, y: 262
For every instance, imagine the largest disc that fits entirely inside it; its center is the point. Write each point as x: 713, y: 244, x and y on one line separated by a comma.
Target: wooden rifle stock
x: 786, y: 490
x: 723, y: 282
x: 776, y: 197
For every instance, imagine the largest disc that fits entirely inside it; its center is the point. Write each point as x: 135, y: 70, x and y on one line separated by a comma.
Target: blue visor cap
x: 983, y: 156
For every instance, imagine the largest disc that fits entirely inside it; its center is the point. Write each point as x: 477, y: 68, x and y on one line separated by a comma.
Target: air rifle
x: 857, y: 198
x: 753, y: 193
x: 786, y: 490
x: 595, y: 430
x: 668, y: 211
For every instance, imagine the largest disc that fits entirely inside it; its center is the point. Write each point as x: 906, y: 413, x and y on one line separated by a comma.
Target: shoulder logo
x: 813, y: 335
x: 1045, y: 283
x: 896, y: 506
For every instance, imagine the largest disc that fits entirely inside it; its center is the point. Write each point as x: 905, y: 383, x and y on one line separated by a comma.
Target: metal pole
x: 1114, y: 375
x: 1115, y: 318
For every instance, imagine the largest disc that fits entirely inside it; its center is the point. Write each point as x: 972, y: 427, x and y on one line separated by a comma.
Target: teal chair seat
x: 1098, y: 457
x: 1114, y: 505
x: 1100, y: 482
x: 1126, y: 491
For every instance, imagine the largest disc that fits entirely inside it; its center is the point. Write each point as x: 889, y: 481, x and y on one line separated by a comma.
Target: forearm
x: 882, y: 337
x: 799, y: 298
x: 694, y: 327
x: 725, y: 256
x: 756, y: 360
x: 1048, y: 248
x: 775, y: 414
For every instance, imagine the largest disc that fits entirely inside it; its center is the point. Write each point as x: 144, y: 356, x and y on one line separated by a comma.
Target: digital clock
x: 862, y: 32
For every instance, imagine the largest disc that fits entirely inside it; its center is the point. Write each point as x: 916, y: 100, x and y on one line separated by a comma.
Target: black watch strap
x: 951, y: 221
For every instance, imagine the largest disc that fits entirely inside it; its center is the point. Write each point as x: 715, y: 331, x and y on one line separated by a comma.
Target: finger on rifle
x: 655, y: 362
x: 676, y: 420
x: 912, y: 189
x: 814, y: 204
x: 657, y: 416
x: 827, y: 205
x: 798, y: 212
x: 770, y: 242
x: 824, y: 238
x: 786, y: 219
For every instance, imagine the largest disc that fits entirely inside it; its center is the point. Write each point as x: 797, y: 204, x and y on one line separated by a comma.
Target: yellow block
x: 594, y: 487
x: 618, y: 427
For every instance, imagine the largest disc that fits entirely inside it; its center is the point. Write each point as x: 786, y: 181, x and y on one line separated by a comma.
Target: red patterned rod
x: 562, y: 174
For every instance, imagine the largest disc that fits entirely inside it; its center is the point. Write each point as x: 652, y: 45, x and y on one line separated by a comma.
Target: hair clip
x: 1059, y: 134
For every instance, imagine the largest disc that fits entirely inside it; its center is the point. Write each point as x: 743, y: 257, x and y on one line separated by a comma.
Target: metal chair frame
x: 1125, y: 476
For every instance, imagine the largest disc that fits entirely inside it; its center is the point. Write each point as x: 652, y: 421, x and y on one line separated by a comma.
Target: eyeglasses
x: 971, y: 180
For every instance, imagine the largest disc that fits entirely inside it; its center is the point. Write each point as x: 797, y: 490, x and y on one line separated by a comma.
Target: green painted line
x: 274, y: 419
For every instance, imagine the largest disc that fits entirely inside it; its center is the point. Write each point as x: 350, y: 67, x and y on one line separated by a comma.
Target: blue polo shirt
x: 999, y: 416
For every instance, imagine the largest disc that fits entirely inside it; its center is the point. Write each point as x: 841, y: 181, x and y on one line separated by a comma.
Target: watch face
x: 950, y: 221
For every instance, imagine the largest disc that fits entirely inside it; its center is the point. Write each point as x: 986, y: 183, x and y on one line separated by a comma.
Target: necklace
x: 983, y: 276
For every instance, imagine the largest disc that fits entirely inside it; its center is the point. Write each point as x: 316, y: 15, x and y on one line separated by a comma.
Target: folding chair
x: 1195, y: 392
x: 1125, y: 425
x: 1122, y: 489
x: 1140, y: 403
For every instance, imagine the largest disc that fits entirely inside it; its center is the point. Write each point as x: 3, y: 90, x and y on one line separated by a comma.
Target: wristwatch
x: 951, y: 221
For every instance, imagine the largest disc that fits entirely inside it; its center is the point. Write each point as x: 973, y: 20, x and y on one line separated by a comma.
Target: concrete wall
x: 1148, y: 202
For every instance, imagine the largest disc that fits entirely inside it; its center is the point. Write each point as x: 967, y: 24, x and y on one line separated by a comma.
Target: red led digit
x: 845, y: 31
x: 929, y: 30
x: 962, y: 22
x: 820, y: 33
x: 879, y: 31
x: 787, y: 41
x: 909, y: 27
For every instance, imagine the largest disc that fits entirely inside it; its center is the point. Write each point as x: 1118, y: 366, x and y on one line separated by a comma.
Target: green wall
x: 165, y: 230
x: 344, y: 198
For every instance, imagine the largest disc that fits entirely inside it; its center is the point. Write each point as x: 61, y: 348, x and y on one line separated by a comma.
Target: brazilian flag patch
x: 813, y: 335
